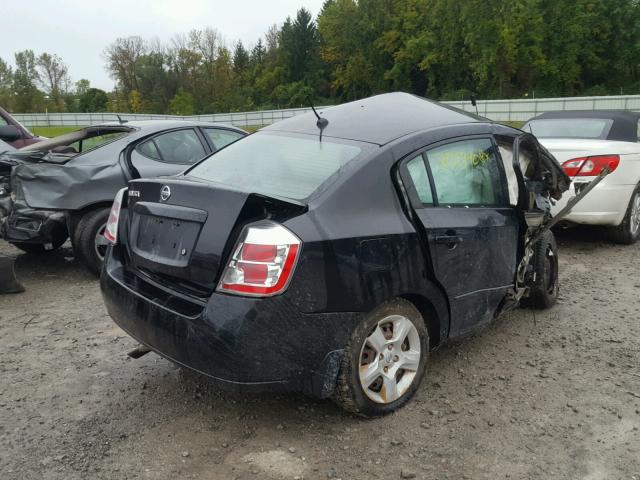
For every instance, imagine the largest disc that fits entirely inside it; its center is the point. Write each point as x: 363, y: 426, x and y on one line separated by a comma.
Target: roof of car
x: 624, y: 127
x: 152, y: 125
x: 379, y: 119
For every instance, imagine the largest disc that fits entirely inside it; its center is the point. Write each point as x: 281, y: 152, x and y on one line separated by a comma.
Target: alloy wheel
x: 101, y: 243
x: 389, y: 359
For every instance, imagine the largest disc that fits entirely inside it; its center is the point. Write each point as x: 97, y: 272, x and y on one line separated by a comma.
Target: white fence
x: 499, y: 110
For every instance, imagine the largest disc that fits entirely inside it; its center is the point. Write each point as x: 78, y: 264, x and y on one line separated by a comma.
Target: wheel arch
x: 76, y: 215
x: 430, y: 315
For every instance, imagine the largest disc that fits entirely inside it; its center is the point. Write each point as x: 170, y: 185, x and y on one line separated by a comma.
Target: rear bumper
x: 241, y: 343
x: 606, y: 205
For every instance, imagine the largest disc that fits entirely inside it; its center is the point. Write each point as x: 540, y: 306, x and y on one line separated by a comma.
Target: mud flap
x: 8, y: 282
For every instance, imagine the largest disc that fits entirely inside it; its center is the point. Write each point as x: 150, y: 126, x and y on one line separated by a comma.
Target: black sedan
x: 329, y: 254
x: 64, y: 187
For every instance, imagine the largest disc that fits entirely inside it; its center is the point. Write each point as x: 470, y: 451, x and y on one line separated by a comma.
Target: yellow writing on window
x: 458, y: 160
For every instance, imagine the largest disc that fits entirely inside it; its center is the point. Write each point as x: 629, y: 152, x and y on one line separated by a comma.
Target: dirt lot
x: 555, y: 395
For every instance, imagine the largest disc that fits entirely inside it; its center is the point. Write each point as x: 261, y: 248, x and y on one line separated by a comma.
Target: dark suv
x: 330, y: 254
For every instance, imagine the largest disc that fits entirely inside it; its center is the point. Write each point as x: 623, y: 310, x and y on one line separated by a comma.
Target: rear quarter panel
x: 360, y: 249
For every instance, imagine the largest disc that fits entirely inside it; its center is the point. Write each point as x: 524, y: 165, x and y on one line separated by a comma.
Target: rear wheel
x: 628, y: 231
x: 543, y: 293
x: 89, y: 243
x: 384, y: 361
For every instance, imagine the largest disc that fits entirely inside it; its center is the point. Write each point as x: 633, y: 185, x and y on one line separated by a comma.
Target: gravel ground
x: 550, y: 395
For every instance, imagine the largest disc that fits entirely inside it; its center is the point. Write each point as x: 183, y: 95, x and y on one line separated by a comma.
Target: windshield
x: 277, y: 164
x: 569, y: 127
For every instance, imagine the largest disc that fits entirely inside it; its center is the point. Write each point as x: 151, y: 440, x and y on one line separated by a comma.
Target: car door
x: 461, y: 201
x: 169, y: 153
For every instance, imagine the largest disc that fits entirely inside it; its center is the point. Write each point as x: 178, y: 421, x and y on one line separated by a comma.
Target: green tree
x: 6, y: 84
x: 53, y: 76
x: 240, y: 58
x: 93, y: 100
x: 258, y: 53
x: 299, y: 45
x: 27, y: 97
x: 181, y: 103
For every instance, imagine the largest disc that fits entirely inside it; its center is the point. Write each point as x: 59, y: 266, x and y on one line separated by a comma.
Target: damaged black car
x: 63, y: 187
x: 330, y: 253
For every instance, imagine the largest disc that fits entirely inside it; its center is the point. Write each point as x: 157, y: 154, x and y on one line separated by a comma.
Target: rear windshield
x: 569, y: 128
x: 276, y: 164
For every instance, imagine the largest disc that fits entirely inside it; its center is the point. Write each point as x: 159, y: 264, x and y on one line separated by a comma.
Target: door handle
x: 450, y: 240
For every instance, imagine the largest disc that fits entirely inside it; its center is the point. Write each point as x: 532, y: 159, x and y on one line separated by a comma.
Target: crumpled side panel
x: 67, y: 187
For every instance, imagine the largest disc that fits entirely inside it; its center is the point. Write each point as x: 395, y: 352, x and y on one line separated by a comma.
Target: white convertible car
x: 585, y: 142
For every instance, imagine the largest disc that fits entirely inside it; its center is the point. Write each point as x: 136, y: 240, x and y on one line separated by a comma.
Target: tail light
x: 263, y: 261
x: 111, y: 230
x: 590, y: 166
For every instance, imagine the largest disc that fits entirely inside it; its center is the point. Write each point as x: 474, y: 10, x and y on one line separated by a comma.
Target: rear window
x: 569, y: 128
x: 277, y: 165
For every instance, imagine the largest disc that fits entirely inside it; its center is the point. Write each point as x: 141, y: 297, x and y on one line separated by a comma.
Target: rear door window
x: 221, y: 138
x: 467, y: 173
x: 420, y: 177
x: 149, y: 149
x: 178, y: 146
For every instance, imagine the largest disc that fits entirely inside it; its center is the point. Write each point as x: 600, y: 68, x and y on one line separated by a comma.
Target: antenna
x: 322, y: 122
x: 121, y: 120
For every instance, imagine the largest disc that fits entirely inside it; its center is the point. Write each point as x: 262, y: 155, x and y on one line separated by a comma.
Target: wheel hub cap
x: 389, y: 359
x: 101, y: 243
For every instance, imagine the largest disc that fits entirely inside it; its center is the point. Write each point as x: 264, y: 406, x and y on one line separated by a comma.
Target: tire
x: 628, y: 232
x: 38, y: 248
x: 374, y: 400
x: 85, y: 237
x: 543, y: 293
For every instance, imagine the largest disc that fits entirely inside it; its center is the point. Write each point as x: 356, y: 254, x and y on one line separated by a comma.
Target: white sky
x: 79, y: 30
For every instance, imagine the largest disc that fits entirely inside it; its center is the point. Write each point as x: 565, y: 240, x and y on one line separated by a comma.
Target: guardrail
x: 499, y: 110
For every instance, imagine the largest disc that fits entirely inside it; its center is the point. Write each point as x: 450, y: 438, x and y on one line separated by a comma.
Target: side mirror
x: 473, y: 100
x: 10, y: 133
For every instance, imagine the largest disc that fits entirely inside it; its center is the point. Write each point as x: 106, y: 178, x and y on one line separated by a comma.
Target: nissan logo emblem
x: 165, y: 193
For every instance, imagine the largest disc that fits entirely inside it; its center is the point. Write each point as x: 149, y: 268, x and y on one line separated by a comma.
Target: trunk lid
x: 181, y: 230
